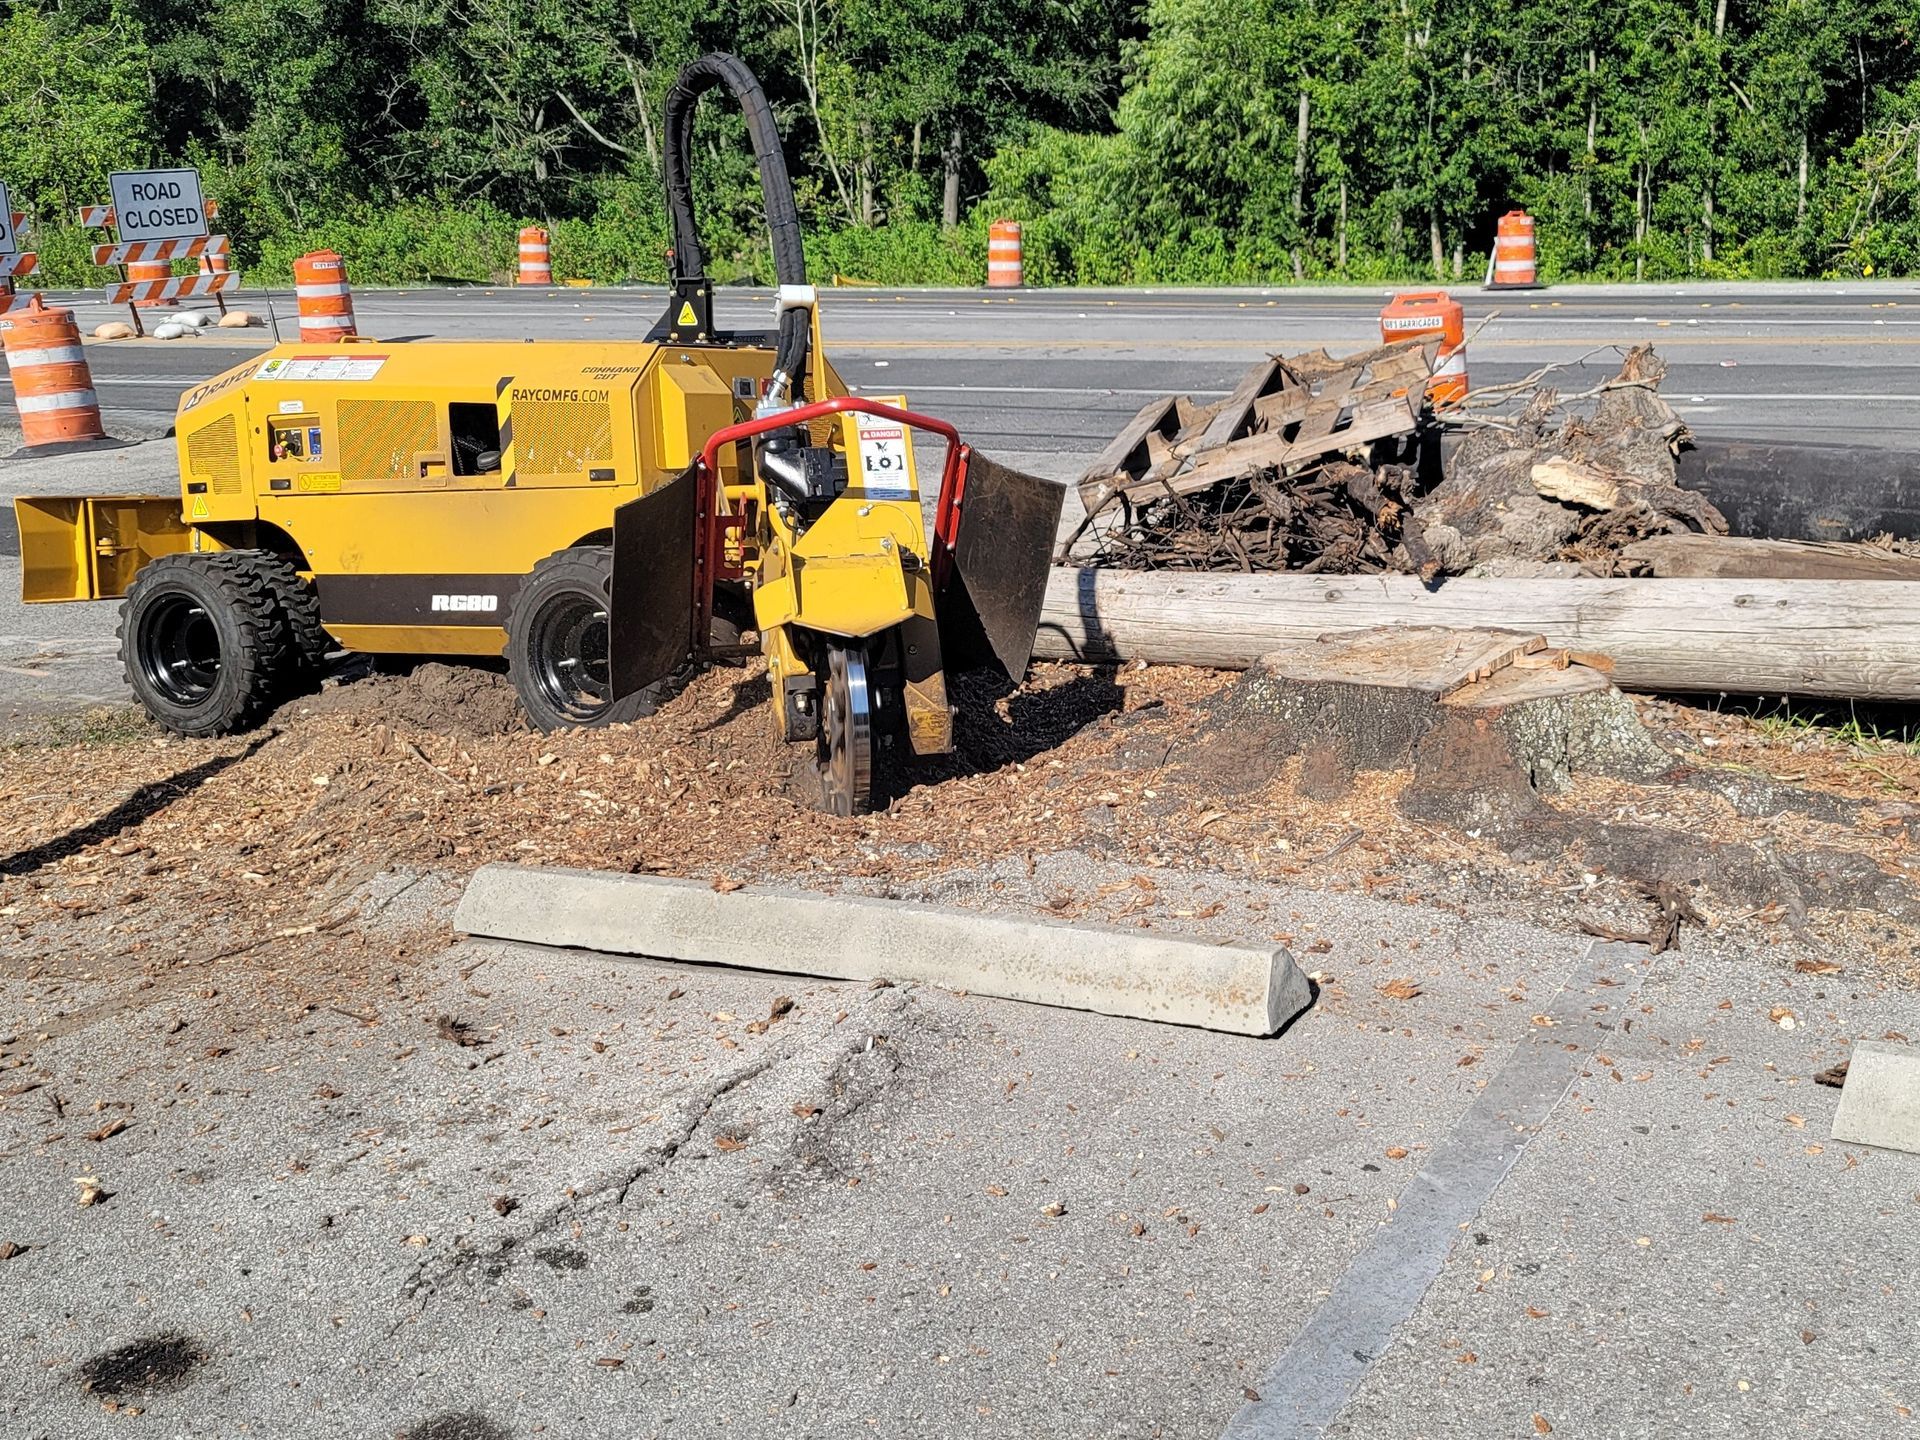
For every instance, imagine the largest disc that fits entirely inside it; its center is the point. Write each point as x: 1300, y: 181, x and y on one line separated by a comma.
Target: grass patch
x: 1860, y: 725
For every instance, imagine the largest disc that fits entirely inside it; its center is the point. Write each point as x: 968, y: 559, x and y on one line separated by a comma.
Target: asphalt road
x: 1058, y: 371
x: 1565, y: 1181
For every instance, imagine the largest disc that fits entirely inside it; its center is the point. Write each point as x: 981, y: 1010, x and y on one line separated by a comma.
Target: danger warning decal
x: 881, y: 453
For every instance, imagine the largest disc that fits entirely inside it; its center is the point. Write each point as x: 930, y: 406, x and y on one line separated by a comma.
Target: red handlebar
x: 840, y: 404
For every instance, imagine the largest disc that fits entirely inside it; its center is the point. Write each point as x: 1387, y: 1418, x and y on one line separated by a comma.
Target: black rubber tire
x: 203, y: 642
x: 559, y: 610
x: 300, y: 612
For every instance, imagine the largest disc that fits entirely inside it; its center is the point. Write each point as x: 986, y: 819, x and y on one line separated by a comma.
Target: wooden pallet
x: 1283, y: 413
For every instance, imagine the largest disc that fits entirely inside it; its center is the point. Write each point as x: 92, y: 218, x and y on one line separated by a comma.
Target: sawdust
x: 166, y: 852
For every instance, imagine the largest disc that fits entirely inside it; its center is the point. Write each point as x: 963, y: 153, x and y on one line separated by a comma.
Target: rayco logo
x: 467, y: 603
x: 553, y: 396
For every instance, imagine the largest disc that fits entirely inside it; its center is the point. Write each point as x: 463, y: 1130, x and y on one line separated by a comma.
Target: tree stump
x: 1488, y: 724
x: 1485, y: 719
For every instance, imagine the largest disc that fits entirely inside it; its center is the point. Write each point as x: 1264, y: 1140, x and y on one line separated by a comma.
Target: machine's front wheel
x: 309, y: 642
x: 204, y: 642
x: 558, y: 642
x: 847, y: 772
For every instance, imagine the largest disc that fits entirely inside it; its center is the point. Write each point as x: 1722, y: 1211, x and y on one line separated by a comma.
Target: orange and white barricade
x: 12, y: 267
x: 536, y: 257
x: 326, y: 300
x: 52, y: 386
x: 1427, y: 315
x: 141, y: 275
x: 1513, y: 266
x: 147, y: 266
x: 1004, y: 265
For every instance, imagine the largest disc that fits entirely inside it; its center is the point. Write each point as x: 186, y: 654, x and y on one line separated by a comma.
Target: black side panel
x: 416, y: 599
x: 1802, y: 490
x: 652, y: 610
x: 991, y: 606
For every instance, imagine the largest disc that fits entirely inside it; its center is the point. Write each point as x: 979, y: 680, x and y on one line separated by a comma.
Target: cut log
x: 1856, y: 639
x: 1807, y: 490
x: 1707, y: 557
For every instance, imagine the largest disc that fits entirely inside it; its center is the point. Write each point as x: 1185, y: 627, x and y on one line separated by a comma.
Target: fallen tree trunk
x: 1806, y: 490
x: 1729, y: 557
x: 1853, y: 639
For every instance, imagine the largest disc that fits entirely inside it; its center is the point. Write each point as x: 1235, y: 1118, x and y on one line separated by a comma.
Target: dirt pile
x: 465, y: 700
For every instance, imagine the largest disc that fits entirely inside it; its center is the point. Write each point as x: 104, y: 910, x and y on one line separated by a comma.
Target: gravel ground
x: 490, y: 1190
x: 281, y: 1155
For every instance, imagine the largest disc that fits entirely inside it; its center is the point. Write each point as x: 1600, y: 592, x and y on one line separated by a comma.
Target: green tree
x: 74, y: 108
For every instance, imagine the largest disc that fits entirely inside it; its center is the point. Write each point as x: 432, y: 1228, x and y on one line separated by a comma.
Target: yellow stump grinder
x: 603, y: 515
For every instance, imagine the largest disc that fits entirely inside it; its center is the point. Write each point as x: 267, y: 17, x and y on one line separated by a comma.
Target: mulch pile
x: 169, y: 850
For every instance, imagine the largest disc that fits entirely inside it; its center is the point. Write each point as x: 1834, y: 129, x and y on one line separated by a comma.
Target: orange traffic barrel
x: 1513, y: 255
x: 536, y: 257
x: 1428, y: 315
x: 1003, y: 255
x: 52, y: 386
x: 142, y: 270
x: 326, y: 301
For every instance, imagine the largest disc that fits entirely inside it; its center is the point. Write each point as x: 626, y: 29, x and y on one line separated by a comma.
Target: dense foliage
x: 1163, y: 141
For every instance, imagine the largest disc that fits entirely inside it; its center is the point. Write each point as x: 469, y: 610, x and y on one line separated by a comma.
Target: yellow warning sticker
x: 200, y: 511
x: 322, y: 482
x: 687, y: 317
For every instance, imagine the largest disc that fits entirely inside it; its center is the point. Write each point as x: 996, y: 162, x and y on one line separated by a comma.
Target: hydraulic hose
x: 776, y: 188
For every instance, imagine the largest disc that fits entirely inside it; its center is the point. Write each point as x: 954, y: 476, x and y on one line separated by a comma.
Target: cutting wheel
x: 846, y: 734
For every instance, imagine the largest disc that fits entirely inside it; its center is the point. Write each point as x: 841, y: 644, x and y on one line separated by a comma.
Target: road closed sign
x: 158, y: 204
x: 9, y: 242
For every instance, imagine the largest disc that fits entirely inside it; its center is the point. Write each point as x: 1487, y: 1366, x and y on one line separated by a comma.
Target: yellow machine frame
x: 573, y: 506
x: 409, y: 554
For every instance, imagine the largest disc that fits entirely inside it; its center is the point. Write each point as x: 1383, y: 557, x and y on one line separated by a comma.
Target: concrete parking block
x: 1244, y: 989
x: 1880, y: 1104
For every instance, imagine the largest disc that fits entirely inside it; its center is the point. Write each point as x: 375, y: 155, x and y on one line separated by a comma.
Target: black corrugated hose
x: 776, y: 188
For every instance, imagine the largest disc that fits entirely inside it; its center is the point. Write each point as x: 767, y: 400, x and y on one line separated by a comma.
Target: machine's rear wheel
x: 204, y: 642
x: 847, y: 785
x: 557, y: 644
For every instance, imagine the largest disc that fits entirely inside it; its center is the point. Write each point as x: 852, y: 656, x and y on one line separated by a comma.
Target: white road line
x: 1768, y: 397
x: 1030, y: 390
x: 183, y: 383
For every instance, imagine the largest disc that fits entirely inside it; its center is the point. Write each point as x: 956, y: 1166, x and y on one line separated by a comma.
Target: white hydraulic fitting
x: 795, y: 297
